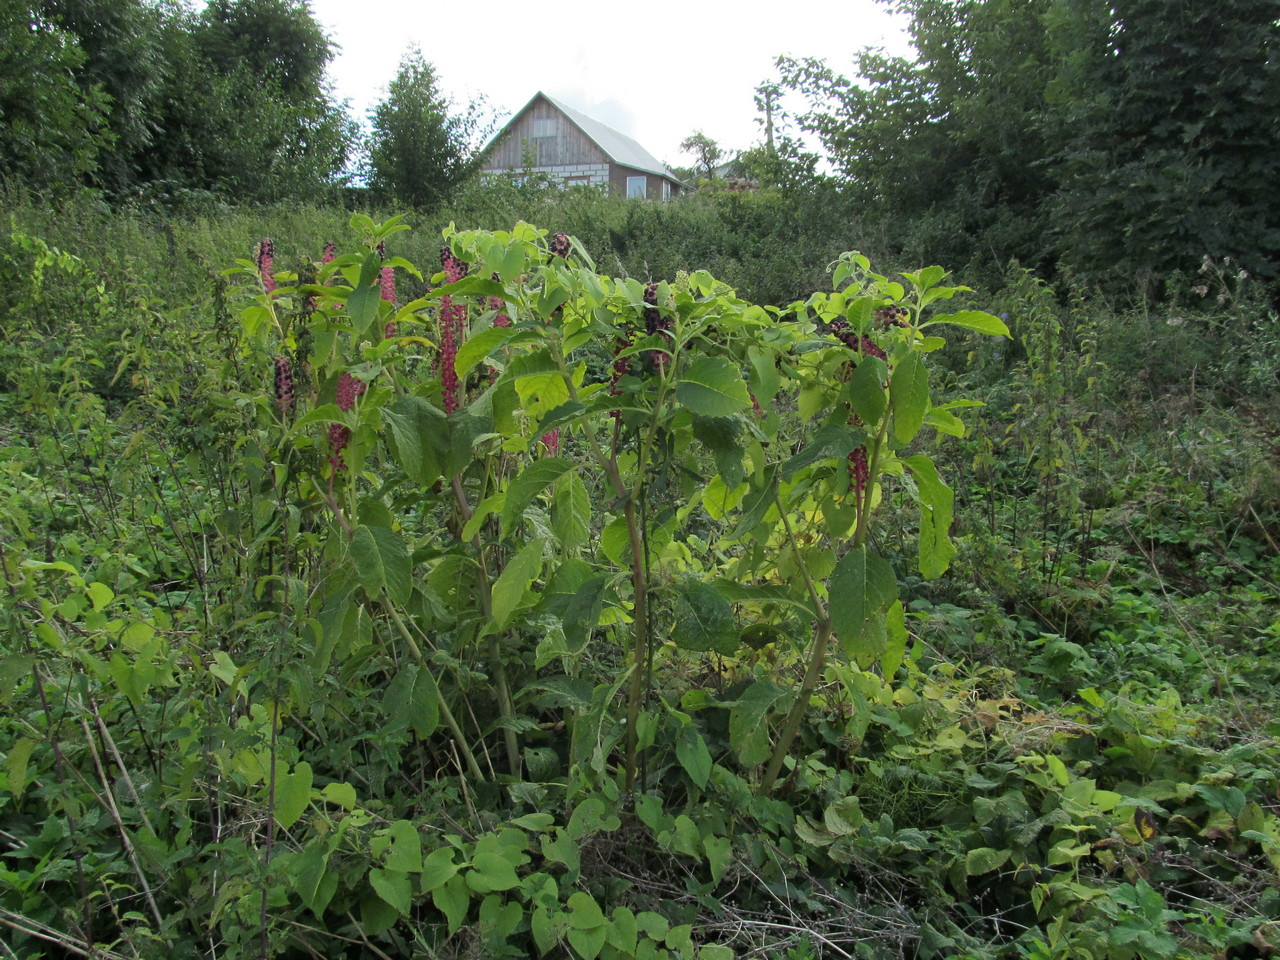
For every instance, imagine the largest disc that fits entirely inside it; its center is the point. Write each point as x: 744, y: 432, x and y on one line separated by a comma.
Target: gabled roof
x: 618, y: 147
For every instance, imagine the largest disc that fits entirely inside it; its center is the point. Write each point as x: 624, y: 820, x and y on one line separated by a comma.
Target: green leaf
x: 491, y: 871
x: 418, y: 435
x: 340, y: 794
x: 571, y: 511
x: 292, y: 795
x: 582, y: 614
x: 308, y: 874
x: 978, y: 321
x: 513, y: 584
x: 984, y: 860
x: 479, y: 346
x: 754, y: 507
x: 866, y: 389
x: 862, y: 588
x: 692, y: 752
x: 896, y: 637
x: 382, y: 562
x: 704, y: 620
x: 393, y: 887
x: 452, y: 898
x: 19, y: 756
x: 405, y: 852
x: 362, y: 306
x: 587, y: 943
x: 713, y: 387
x: 937, y: 503
x: 530, y: 482
x: 437, y: 869
x: 835, y: 441
x: 721, y: 436
x: 12, y: 668
x: 909, y: 391
x: 584, y: 912
x: 749, y: 720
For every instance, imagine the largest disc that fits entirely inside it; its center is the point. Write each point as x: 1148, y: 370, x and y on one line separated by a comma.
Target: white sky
x: 655, y: 71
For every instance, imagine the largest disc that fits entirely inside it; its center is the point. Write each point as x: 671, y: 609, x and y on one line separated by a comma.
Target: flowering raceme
x: 348, y: 391
x: 453, y: 319
x: 387, y: 283
x: 266, y: 258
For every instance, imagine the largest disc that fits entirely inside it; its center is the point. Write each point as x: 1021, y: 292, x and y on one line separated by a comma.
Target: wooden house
x: 551, y: 138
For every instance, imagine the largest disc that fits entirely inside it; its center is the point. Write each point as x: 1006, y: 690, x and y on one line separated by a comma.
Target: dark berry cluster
x: 284, y: 384
x: 892, y: 316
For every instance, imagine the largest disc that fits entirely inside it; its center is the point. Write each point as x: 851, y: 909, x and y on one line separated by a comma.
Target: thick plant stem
x: 817, y: 660
x: 445, y: 713
x: 640, y: 648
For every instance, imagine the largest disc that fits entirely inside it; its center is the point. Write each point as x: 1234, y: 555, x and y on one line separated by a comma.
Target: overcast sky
x: 655, y: 71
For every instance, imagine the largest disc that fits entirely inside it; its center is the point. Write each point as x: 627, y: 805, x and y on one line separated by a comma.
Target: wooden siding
x: 618, y: 182
x: 570, y: 146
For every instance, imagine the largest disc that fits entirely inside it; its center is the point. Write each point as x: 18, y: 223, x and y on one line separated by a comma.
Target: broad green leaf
x: 862, y: 588
x: 978, y: 321
x: 382, y: 562
x: 308, y: 872
x: 571, y: 511
x: 292, y: 794
x: 418, y: 435
x: 582, y: 614
x: 452, y: 899
x: 909, y: 390
x: 405, y: 852
x: 19, y: 756
x: 713, y: 387
x: 528, y: 484
x: 896, y: 640
x: 12, y: 668
x: 749, y: 719
x: 937, y: 503
x: 393, y: 887
x: 491, y: 871
x: 984, y: 860
x: 512, y: 585
x: 340, y: 794
x: 437, y: 869
x: 363, y: 306
x: 866, y: 389
x: 587, y: 944
x: 558, y: 417
x: 722, y: 436
x: 479, y: 346
x: 704, y: 620
x: 584, y: 912
x: 834, y: 441
x: 719, y: 851
x: 765, y: 378
x: 692, y: 752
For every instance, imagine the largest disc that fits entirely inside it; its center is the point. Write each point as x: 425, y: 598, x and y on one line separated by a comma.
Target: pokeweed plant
x: 674, y: 397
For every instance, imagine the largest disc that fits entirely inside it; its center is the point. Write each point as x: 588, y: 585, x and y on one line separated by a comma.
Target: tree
x: 419, y: 150
x: 706, y: 152
x: 51, y: 130
x: 1115, y: 137
x: 1173, y: 145
x: 123, y: 59
x: 246, y: 113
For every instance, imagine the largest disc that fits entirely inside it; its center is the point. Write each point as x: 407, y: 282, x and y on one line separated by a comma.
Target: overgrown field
x: 461, y: 595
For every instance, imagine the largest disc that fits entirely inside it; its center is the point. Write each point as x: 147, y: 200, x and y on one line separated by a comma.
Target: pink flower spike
x: 265, y: 258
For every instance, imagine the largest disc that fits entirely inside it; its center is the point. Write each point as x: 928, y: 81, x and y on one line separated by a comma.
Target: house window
x: 637, y: 187
x: 666, y: 189
x: 545, y: 127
